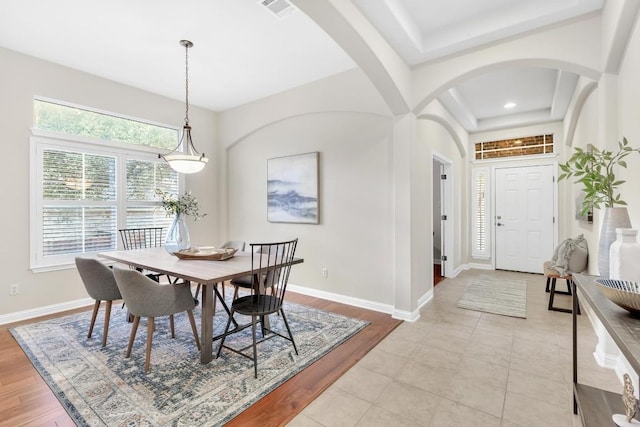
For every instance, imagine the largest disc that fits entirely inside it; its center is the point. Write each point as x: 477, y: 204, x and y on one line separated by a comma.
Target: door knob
x: 499, y: 224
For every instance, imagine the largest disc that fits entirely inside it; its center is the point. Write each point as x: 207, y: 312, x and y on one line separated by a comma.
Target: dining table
x: 207, y: 273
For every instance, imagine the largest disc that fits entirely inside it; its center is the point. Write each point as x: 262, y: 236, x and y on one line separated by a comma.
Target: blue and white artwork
x: 292, y: 189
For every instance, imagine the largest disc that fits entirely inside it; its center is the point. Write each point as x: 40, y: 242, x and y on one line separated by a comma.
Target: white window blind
x: 480, y: 213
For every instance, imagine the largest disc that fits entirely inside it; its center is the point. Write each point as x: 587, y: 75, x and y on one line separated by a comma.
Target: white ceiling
x: 243, y: 52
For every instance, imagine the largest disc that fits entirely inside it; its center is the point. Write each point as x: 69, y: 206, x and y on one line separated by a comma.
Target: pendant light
x: 189, y: 161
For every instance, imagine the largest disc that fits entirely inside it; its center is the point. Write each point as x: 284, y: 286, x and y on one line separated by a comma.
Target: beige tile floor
x: 457, y: 367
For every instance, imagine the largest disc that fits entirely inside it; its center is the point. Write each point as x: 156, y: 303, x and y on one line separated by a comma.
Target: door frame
x: 512, y: 164
x: 446, y: 199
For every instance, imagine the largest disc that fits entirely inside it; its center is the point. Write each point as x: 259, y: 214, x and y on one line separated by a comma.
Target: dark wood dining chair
x: 100, y: 284
x: 270, y: 267
x: 147, y: 298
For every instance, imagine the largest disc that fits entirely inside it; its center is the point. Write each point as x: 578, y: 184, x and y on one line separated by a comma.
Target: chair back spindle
x: 140, y: 238
x: 271, y: 264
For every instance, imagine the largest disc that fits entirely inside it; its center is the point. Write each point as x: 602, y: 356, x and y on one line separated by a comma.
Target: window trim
x: 40, y: 140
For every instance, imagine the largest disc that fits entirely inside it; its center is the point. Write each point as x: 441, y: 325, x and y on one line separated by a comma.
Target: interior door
x: 443, y: 218
x: 524, y: 206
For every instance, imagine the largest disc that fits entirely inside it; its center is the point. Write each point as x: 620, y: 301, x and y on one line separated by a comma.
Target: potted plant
x: 178, y: 234
x: 595, y: 170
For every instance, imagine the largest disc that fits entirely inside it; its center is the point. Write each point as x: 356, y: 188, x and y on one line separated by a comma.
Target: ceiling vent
x: 280, y: 8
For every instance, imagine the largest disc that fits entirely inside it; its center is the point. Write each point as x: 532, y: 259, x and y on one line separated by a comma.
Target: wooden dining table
x: 205, y: 272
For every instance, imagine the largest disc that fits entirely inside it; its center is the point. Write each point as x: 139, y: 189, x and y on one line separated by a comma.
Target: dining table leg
x: 206, y: 324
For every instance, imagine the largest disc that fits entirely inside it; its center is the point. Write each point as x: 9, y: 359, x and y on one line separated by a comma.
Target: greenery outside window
x: 55, y: 116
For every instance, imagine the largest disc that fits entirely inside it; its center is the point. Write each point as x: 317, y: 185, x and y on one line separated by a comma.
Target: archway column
x: 413, y: 281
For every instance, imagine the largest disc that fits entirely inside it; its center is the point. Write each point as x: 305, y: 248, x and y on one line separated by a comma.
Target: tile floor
x: 457, y: 367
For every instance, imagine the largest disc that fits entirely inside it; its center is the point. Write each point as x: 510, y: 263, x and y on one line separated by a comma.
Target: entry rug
x: 99, y: 387
x: 496, y: 295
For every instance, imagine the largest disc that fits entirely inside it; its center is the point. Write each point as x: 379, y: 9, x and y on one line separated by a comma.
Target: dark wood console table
x: 596, y: 406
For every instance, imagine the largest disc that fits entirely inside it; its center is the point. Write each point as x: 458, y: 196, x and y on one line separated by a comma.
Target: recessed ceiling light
x: 509, y: 105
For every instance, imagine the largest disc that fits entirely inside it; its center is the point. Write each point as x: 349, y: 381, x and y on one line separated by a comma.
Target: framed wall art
x: 292, y: 189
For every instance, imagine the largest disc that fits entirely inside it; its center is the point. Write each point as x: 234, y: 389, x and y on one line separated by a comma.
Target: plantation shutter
x: 480, y: 213
x: 143, y: 178
x: 78, y: 202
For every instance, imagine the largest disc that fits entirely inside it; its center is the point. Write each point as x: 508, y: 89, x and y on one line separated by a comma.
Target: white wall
x: 629, y: 101
x: 375, y: 169
x: 438, y: 141
x: 340, y: 118
x: 23, y: 77
x: 586, y: 133
x: 624, y: 91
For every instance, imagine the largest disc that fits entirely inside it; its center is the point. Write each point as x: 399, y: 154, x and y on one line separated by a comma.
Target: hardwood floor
x: 437, y: 274
x: 26, y: 400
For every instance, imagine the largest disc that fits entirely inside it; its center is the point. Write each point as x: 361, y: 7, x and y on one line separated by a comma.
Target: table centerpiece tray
x: 219, y: 254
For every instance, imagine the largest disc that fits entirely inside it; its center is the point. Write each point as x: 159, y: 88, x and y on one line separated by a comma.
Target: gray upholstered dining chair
x: 147, y: 298
x: 272, y: 267
x: 101, y: 286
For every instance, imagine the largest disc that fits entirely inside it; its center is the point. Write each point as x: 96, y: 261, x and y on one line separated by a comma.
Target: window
x: 62, y: 118
x: 84, y: 189
x: 526, y: 146
x: 480, y: 213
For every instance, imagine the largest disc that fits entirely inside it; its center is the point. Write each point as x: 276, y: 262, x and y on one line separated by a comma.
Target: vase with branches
x: 595, y: 169
x: 178, y: 237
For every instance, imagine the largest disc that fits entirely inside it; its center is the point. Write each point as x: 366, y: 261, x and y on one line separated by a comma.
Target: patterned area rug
x: 496, y: 295
x: 98, y: 386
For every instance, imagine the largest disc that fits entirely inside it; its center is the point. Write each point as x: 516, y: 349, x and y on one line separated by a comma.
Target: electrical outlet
x: 325, y: 272
x: 14, y: 289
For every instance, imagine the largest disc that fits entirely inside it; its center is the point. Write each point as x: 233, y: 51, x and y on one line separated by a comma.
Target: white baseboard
x: 408, y: 316
x: 19, y: 316
x: 479, y: 266
x: 606, y: 360
x: 356, y: 302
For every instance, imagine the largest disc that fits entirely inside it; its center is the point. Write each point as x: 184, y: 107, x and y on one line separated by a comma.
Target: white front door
x: 524, y: 207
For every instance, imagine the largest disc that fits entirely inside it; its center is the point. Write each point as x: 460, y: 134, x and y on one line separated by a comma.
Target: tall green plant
x: 594, y: 169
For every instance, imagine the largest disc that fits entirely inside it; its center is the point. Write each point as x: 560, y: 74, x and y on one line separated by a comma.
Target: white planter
x: 624, y: 256
x: 613, y: 218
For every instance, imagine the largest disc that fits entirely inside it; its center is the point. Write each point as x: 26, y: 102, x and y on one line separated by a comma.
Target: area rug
x: 99, y: 387
x: 497, y: 295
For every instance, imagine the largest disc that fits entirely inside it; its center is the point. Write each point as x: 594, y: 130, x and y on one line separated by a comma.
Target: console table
x: 597, y: 406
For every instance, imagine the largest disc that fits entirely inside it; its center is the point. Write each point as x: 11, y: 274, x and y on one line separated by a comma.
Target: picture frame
x: 292, y: 189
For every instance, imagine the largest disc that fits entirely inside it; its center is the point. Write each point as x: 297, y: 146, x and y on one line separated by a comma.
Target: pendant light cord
x: 186, y: 83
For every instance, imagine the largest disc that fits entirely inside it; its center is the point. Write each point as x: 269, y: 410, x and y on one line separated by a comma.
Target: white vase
x: 178, y: 235
x: 624, y: 256
x: 613, y: 218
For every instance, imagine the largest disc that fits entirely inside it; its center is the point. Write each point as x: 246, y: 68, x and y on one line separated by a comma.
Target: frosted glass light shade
x: 186, y: 163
